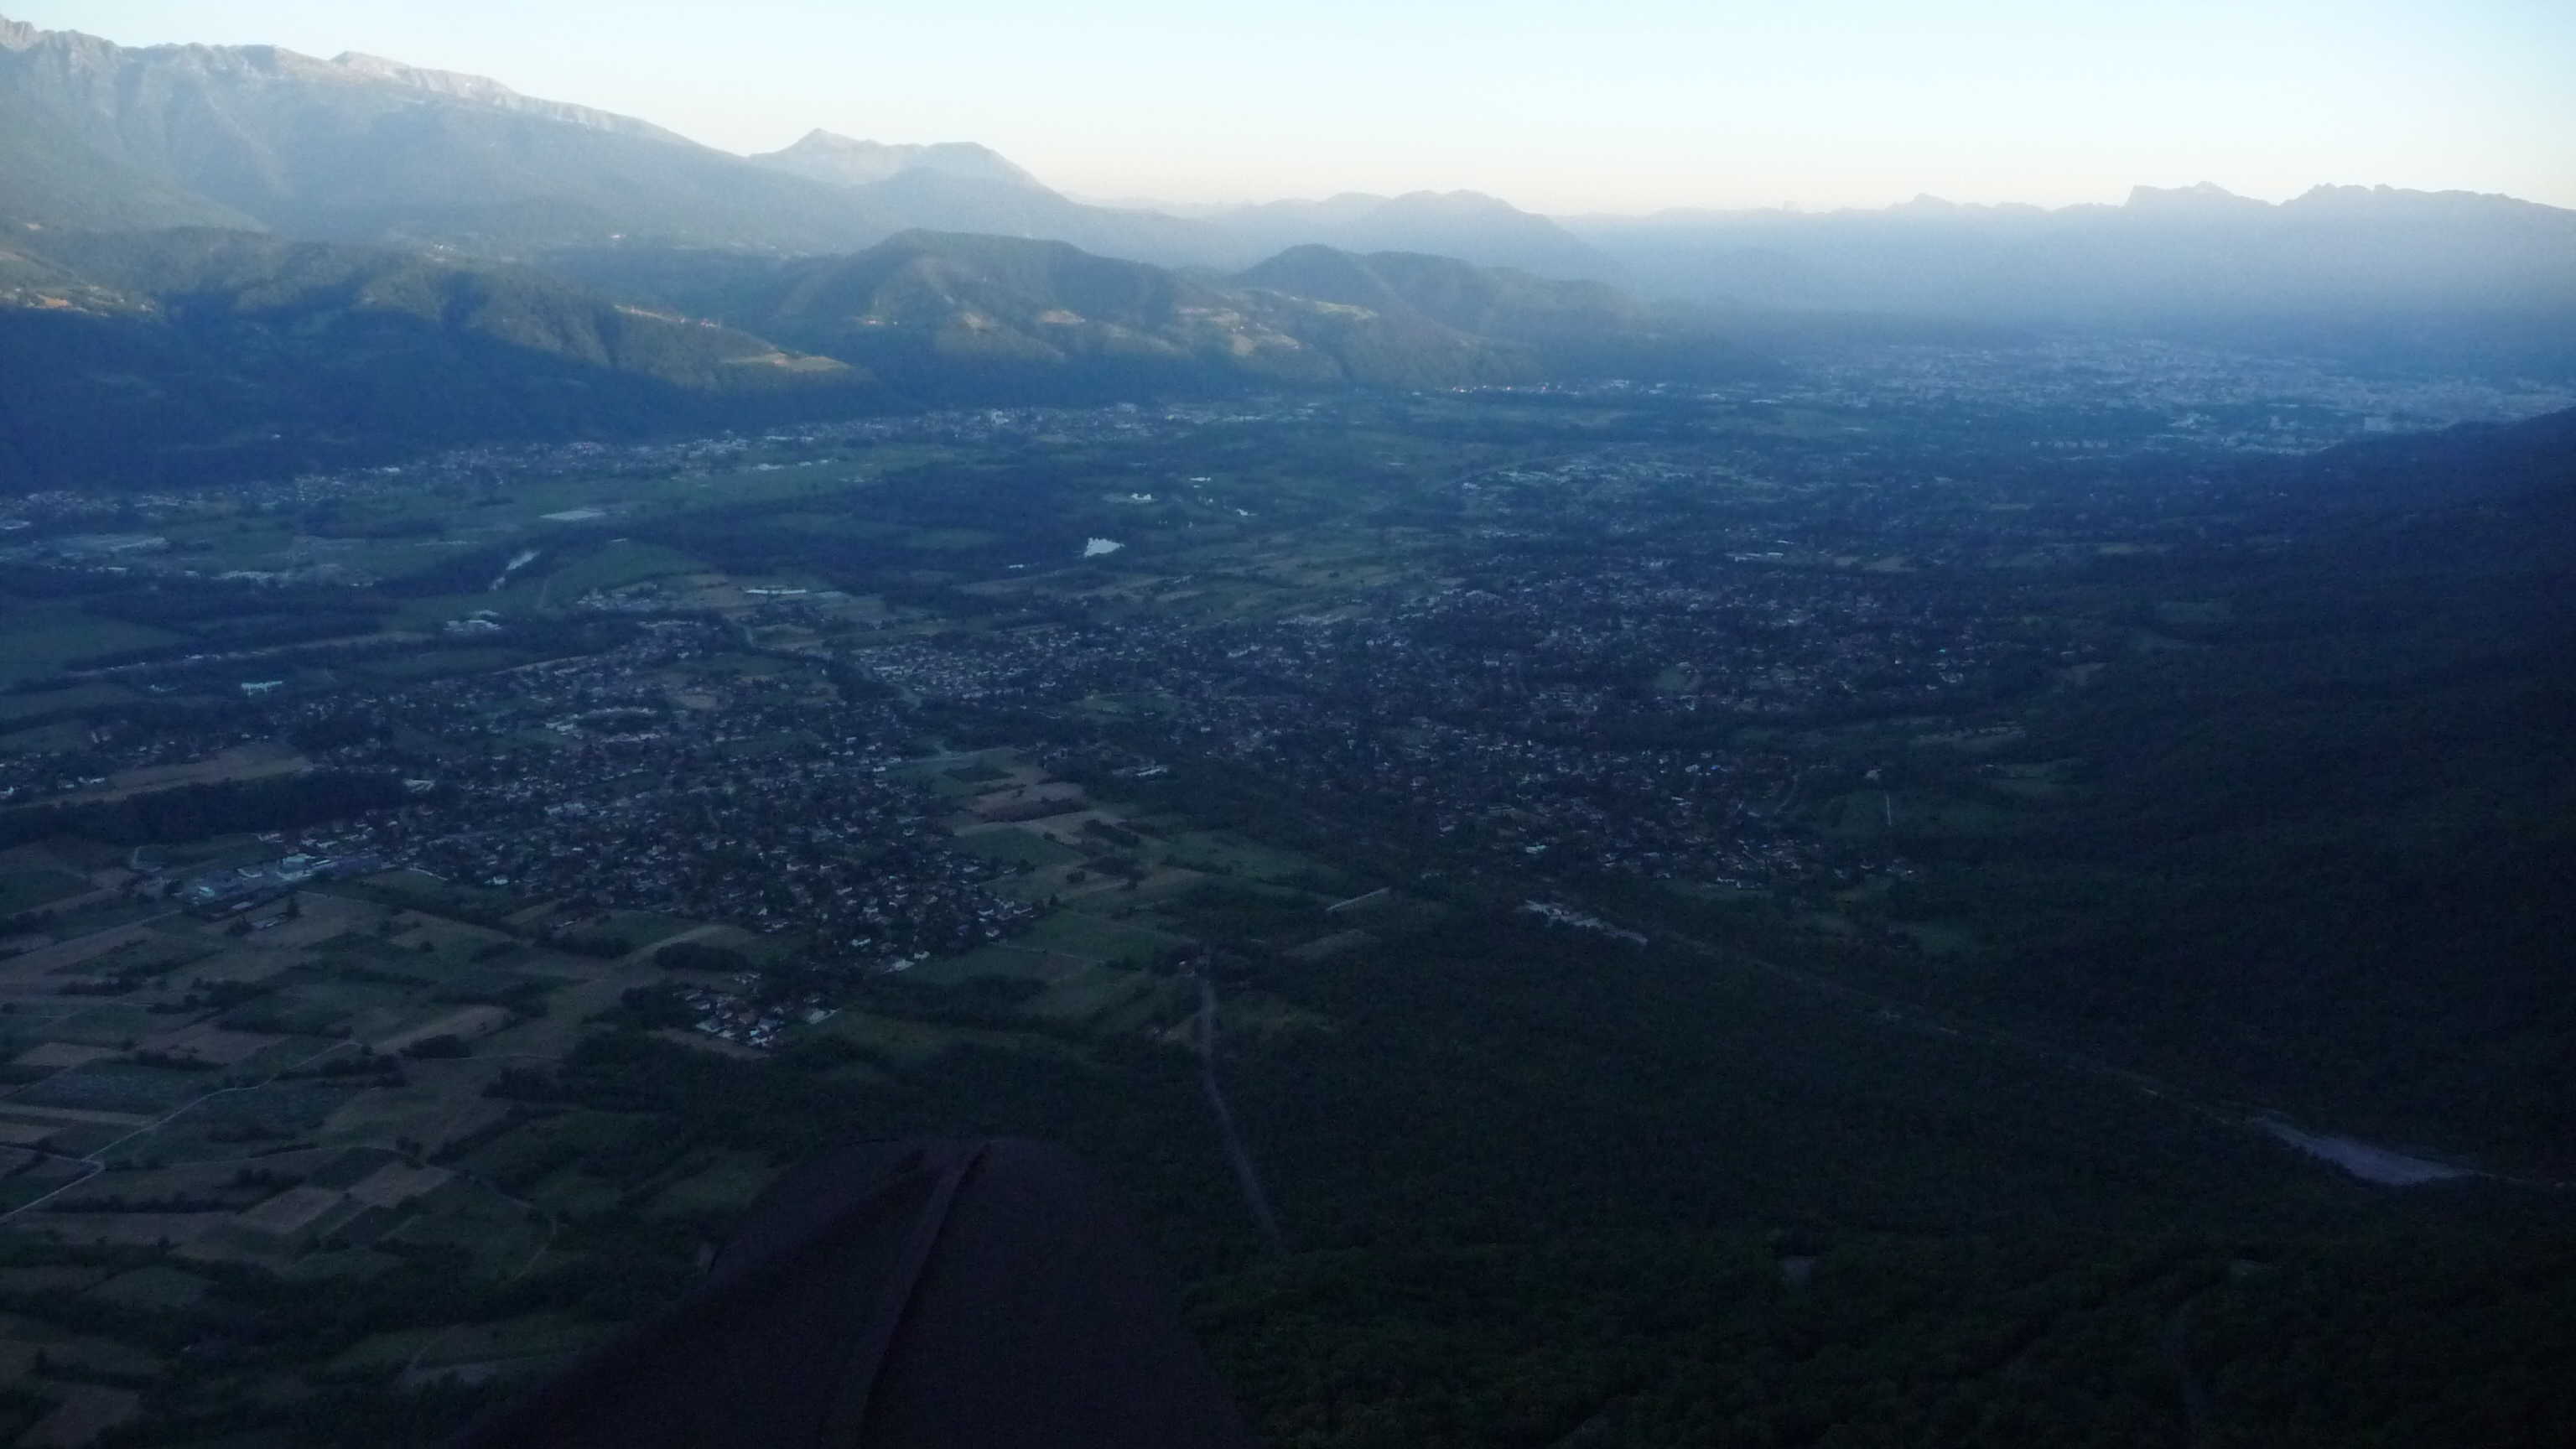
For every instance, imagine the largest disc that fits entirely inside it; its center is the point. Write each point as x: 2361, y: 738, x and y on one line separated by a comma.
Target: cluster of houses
x: 746, y: 1019
x: 630, y: 780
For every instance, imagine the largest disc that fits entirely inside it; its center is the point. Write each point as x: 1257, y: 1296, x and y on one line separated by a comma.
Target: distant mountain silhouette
x: 1496, y: 301
x: 96, y: 136
x: 1463, y: 224
x: 823, y: 156
x: 2194, y: 253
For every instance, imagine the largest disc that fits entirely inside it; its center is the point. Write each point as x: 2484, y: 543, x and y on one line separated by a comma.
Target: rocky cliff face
x: 485, y: 91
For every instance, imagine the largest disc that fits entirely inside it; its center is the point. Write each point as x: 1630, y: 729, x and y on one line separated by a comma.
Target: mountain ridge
x: 366, y: 149
x: 483, y: 90
x: 828, y: 156
x: 2141, y: 196
x: 2197, y: 256
x: 140, y: 355
x: 129, y: 354
x: 958, y: 315
x: 1468, y: 225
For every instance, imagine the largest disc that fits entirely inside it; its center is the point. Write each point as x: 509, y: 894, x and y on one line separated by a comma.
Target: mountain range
x: 192, y: 354
x: 361, y: 149
x: 230, y: 257
x: 952, y: 314
x: 843, y: 161
x: 1464, y: 224
x: 2196, y: 252
x: 145, y: 355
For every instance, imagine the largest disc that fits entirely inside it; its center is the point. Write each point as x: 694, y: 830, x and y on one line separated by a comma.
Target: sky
x: 1591, y: 106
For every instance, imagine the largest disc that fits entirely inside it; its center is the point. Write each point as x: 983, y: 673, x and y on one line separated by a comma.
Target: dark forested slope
x: 2316, y: 830
x: 992, y: 317
x: 193, y: 354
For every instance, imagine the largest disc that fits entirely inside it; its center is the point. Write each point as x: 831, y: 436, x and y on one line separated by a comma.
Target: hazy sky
x: 1573, y: 105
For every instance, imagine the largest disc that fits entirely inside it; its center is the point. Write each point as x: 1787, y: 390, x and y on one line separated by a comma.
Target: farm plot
x: 153, y: 1286
x: 997, y: 960
x: 57, y: 1055
x: 501, y: 1235
x: 1015, y: 846
x: 1224, y: 853
x: 25, y: 889
x: 211, y: 1044
x: 291, y: 1211
x: 118, y: 1086
x: 237, y: 1123
x: 722, y: 1188
x: 1107, y: 998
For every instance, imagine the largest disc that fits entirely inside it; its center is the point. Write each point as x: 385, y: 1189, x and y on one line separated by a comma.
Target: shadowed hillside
x: 143, y: 356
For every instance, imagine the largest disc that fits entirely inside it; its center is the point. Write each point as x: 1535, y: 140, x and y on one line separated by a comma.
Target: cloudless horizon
x: 1622, y: 107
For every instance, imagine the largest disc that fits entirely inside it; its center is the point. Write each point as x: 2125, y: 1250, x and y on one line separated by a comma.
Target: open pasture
x: 73, y: 699
x: 46, y: 637
x: 111, y: 1085
x: 379, y: 1117
x: 27, y: 888
x: 1015, y: 846
x: 1094, y: 938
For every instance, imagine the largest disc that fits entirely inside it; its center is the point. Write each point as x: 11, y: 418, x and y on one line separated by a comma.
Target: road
x: 1203, y: 1039
x: 96, y: 1161
x: 2236, y: 1115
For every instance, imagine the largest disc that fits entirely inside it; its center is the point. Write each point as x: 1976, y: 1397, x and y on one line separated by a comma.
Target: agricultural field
x: 24, y: 888
x: 271, y: 1102
x: 320, y: 1089
x: 45, y: 639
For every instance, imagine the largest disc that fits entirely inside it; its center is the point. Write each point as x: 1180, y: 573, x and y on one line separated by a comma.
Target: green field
x: 542, y: 1335
x: 48, y: 701
x: 722, y: 1188
x: 110, y: 1023
x: 1226, y: 853
x: 1109, y: 999
x: 615, y: 565
x: 239, y: 1123
x: 442, y: 663
x: 993, y: 960
x: 43, y: 638
x: 24, y: 890
x: 1017, y: 847
x: 112, y: 1086
x: 1074, y: 933
x: 154, y: 1286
